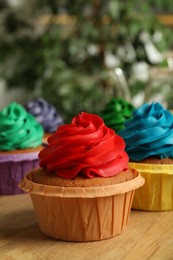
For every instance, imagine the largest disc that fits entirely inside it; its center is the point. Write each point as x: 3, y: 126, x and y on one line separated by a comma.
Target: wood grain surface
x: 149, y: 235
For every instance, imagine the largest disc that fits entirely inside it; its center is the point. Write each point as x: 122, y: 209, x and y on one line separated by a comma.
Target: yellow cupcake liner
x: 157, y: 192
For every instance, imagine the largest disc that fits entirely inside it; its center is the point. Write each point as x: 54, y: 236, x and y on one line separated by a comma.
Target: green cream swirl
x: 18, y: 129
x: 116, y: 113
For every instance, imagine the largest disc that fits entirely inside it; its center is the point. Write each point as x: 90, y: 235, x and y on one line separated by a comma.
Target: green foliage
x: 161, y: 6
x: 66, y: 61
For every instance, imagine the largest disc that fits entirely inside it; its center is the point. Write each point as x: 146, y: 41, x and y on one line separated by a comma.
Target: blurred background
x: 77, y: 54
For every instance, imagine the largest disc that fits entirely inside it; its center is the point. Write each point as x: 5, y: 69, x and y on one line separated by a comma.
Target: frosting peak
x: 45, y: 114
x: 86, y: 147
x: 116, y: 113
x: 149, y: 133
x: 18, y: 129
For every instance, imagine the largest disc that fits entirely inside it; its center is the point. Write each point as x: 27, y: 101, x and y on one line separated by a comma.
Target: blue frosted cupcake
x: 149, y: 144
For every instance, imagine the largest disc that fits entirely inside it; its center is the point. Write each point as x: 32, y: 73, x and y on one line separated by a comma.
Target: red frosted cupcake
x: 84, y: 190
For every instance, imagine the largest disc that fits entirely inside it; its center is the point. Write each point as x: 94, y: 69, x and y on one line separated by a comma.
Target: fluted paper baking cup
x: 157, y: 192
x: 28, y: 185
x: 82, y: 214
x: 13, y: 168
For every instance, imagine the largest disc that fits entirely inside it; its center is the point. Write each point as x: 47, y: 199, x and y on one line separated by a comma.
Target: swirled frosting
x: 18, y: 129
x: 45, y: 114
x: 116, y: 113
x: 85, y: 147
x: 149, y: 133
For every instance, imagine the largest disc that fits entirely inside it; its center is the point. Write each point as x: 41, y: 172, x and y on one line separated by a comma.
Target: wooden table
x: 149, y: 235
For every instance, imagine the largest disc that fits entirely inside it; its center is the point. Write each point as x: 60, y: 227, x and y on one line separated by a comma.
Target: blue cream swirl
x: 149, y: 133
x: 45, y: 114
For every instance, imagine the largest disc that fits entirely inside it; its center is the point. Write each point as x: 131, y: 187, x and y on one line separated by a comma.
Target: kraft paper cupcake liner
x: 82, y: 214
x: 84, y: 192
x: 157, y: 192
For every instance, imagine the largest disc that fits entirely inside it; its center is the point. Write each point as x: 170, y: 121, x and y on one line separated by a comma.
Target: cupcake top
x: 18, y: 129
x: 45, y: 114
x: 149, y: 133
x: 116, y: 113
x: 85, y: 147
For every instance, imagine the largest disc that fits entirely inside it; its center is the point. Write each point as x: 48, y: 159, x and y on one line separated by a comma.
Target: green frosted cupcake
x: 116, y: 112
x: 20, y: 142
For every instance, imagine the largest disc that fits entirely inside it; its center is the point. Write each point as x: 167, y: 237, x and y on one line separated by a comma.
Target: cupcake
x: 84, y: 188
x: 46, y: 115
x: 149, y: 144
x: 116, y: 113
x: 20, y: 142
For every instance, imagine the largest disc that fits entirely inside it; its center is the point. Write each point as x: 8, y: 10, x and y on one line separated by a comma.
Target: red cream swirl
x: 86, y: 147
